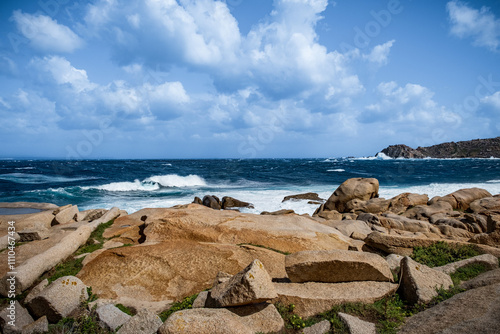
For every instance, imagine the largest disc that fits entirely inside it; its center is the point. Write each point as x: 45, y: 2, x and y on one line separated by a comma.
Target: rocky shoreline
x: 477, y: 148
x: 244, y: 268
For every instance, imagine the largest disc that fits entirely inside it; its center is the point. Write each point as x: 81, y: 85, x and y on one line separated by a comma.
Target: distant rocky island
x: 477, y: 148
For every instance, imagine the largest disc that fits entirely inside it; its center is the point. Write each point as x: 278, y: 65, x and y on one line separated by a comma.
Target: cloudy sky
x: 244, y: 78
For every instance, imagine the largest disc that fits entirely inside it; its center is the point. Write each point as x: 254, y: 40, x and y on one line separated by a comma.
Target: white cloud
x: 45, y: 34
x: 481, y: 25
x: 380, y: 53
x: 492, y: 100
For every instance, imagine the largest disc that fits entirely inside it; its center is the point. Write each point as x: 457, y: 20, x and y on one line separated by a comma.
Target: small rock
x: 356, y: 325
x: 197, y: 200
x: 144, y: 322
x: 14, y: 312
x: 201, y: 300
x: 419, y: 282
x: 250, y: 286
x: 65, y: 216
x: 394, y: 261
x: 229, y: 202
x: 321, y: 327
x: 39, y: 326
x: 309, y: 196
x: 32, y: 235
x: 111, y: 316
x: 212, y: 202
x: 260, y: 318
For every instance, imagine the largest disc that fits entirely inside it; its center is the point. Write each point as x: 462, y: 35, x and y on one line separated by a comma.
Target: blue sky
x: 245, y: 79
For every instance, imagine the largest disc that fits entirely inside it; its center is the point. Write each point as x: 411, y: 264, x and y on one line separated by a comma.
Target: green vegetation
x: 125, y: 309
x: 468, y: 272
x: 69, y: 267
x: 293, y: 321
x: 442, y: 253
x: 269, y: 248
x: 186, y: 303
x: 91, y: 246
x: 86, y: 322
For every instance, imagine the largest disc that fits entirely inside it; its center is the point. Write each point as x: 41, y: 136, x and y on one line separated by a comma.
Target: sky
x: 164, y: 79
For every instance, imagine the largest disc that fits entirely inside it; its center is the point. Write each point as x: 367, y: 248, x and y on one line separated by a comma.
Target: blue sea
x: 135, y: 184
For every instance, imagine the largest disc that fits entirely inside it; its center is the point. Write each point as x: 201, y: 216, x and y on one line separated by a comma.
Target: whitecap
x: 336, y: 170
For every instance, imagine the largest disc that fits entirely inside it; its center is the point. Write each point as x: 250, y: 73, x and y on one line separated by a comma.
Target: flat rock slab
x: 111, y: 316
x: 171, y: 270
x: 252, y: 285
x: 39, y: 326
x: 356, y: 325
x: 321, y: 327
x: 313, y: 298
x: 473, y: 311
x: 419, y: 282
x: 260, y: 318
x: 333, y: 266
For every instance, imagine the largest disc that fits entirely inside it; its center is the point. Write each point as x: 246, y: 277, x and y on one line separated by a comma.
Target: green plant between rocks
x: 468, y: 272
x: 69, y: 267
x: 97, y: 235
x: 442, y: 253
x: 125, y: 309
x: 185, y: 304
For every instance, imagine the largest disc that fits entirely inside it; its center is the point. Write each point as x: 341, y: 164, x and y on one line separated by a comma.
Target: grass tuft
x: 185, y: 304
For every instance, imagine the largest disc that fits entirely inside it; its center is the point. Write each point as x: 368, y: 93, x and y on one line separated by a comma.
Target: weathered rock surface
x: 402, y: 151
x: 356, y: 188
x: 485, y: 204
x: 17, y: 314
x: 204, y: 321
x: 111, y: 316
x: 394, y: 261
x: 313, y: 298
x: 348, y: 227
x: 59, y: 299
x: 401, y: 202
x: 473, y: 311
x: 334, y: 266
x: 356, y: 325
x: 289, y: 233
x: 170, y: 271
x: 488, y: 260
x: 419, y: 282
x: 461, y: 199
x: 278, y: 212
x: 250, y: 286
x: 374, y: 205
x: 144, y: 322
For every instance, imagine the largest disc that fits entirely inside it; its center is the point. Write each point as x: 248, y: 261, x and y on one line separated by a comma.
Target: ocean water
x: 135, y: 184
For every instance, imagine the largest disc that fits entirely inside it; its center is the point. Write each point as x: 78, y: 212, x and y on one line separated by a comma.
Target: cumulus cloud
x: 481, y: 25
x: 45, y: 34
x: 380, y: 53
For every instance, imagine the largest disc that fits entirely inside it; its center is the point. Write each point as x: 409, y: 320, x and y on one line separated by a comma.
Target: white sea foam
x: 174, y: 180
x: 336, y: 170
x: 127, y: 186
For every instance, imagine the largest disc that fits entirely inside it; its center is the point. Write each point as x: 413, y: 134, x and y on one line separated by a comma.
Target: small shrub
x: 467, y: 273
x: 67, y: 268
x: 186, y: 303
x: 125, y: 309
x: 442, y: 253
x: 292, y: 320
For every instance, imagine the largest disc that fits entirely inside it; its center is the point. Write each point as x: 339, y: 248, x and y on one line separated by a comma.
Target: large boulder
x: 287, y: 233
x: 473, y: 311
x: 356, y: 188
x: 424, y: 212
x: 402, y: 202
x: 312, y: 298
x: 374, y: 205
x: 461, y: 199
x: 204, y: 321
x: 485, y: 204
x: 66, y: 215
x: 169, y: 271
x: 336, y: 266
x: 419, y: 282
x: 59, y: 299
x: 250, y: 286
x: 144, y: 322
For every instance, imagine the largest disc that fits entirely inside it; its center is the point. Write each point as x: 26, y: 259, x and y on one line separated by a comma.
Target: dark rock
x: 212, y: 202
x: 310, y: 196
x: 197, y: 200
x: 229, y: 202
x: 402, y: 151
x: 279, y: 212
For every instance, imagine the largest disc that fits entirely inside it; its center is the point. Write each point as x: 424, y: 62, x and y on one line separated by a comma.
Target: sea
x: 135, y: 184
